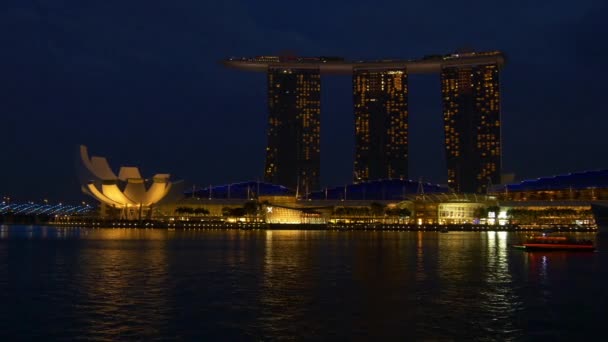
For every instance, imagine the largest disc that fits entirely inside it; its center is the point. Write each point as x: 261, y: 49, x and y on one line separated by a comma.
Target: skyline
x: 72, y: 76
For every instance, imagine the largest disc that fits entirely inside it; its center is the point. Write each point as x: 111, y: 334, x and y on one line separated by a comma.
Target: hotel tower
x: 294, y: 123
x: 380, y: 107
x: 471, y: 116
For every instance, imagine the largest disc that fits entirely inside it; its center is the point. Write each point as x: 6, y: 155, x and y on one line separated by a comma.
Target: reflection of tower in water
x: 420, y: 269
x: 497, y: 262
x: 287, y: 278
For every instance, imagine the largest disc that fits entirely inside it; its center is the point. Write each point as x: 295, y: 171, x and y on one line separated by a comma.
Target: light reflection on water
x: 228, y: 284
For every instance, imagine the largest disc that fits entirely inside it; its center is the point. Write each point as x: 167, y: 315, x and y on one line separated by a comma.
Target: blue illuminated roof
x: 385, y: 189
x: 380, y: 190
x: 578, y: 180
x: 241, y: 190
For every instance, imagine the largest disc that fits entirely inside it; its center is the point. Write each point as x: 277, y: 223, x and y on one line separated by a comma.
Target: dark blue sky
x: 139, y: 82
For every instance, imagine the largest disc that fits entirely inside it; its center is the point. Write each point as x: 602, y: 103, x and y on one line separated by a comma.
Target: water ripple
x: 116, y: 284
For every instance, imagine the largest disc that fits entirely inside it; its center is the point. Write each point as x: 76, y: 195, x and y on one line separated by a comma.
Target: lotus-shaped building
x: 128, y: 192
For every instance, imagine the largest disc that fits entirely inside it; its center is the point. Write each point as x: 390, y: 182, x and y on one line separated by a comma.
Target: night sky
x: 140, y: 83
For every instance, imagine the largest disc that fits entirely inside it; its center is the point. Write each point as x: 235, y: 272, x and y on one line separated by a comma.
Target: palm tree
x: 481, y: 212
x: 377, y: 208
x: 201, y: 211
x: 251, y: 208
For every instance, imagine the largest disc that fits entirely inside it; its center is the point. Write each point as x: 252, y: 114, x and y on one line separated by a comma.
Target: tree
x: 494, y: 208
x: 339, y: 211
x: 480, y: 212
x: 405, y: 212
x: 251, y: 208
x: 377, y: 208
x: 238, y: 212
x: 401, y: 212
x: 184, y: 210
x: 201, y: 211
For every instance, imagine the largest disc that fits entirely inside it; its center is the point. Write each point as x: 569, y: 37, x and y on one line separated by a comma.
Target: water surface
x: 108, y: 284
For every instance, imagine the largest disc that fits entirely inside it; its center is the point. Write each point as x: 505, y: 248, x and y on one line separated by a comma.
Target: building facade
x: 381, y: 124
x: 584, y: 186
x: 294, y: 126
x: 471, y: 113
x: 455, y: 212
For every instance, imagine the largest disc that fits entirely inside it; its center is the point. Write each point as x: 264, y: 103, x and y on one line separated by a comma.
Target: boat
x: 555, y: 243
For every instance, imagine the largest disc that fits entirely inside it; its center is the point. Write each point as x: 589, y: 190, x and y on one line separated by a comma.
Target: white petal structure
x: 127, y: 172
x: 159, y: 189
x: 101, y: 197
x: 136, y: 189
x: 128, y: 192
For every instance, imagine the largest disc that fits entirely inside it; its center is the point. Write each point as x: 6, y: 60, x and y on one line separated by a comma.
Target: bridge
x: 32, y: 209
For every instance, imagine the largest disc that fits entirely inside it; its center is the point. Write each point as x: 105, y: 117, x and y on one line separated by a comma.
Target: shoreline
x: 185, y: 225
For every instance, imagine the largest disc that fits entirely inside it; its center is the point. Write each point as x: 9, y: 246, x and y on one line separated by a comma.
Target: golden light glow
x: 131, y: 198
